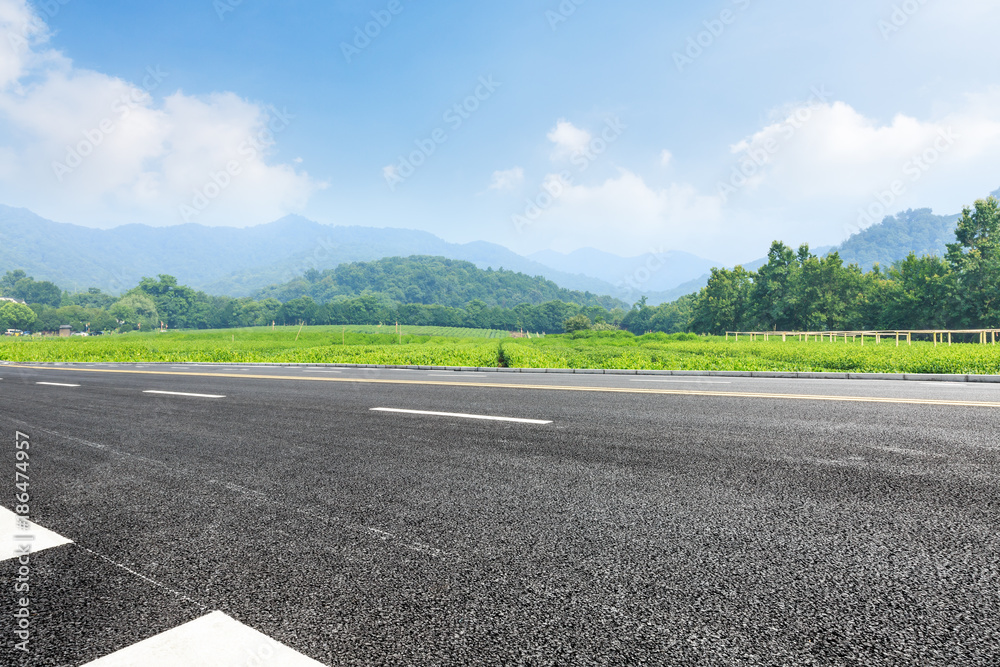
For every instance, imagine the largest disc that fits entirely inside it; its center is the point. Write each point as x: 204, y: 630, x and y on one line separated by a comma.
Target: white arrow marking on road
x: 18, y: 534
x: 210, y: 641
x: 178, y: 393
x: 463, y: 416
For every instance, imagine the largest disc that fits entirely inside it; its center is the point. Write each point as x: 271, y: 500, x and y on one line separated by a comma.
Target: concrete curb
x: 899, y: 377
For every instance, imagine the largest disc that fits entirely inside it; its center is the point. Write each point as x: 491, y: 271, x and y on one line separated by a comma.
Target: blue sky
x: 599, y: 124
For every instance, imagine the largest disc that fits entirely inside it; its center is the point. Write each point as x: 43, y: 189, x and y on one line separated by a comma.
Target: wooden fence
x: 986, y: 336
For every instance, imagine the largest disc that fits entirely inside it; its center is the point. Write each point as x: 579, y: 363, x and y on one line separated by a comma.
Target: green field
x: 469, y: 347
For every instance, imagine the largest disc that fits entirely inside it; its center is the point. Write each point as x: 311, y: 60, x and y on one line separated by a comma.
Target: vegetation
x: 917, y: 231
x: 430, y: 281
x: 583, y: 349
x: 796, y: 290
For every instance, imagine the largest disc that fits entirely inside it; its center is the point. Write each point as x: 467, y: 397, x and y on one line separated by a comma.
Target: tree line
x: 798, y: 291
x: 163, y: 301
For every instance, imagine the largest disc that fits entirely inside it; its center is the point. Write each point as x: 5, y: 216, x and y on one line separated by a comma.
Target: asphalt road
x: 702, y: 521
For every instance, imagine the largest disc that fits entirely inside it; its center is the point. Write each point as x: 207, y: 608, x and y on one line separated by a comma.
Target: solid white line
x: 215, y: 639
x: 463, y: 416
x: 684, y: 381
x: 178, y: 393
x: 57, y: 384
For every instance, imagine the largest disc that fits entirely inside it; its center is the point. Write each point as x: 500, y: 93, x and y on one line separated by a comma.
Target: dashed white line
x: 179, y: 393
x: 460, y: 415
x: 682, y: 381
x: 310, y: 370
x: 57, y: 384
x: 452, y: 374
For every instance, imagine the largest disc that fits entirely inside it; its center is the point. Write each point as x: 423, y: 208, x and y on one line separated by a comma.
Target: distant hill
x: 919, y: 231
x: 654, y: 271
x: 228, y: 260
x: 889, y: 241
x: 431, y: 281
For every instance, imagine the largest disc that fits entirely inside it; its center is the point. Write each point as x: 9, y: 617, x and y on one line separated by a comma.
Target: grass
x: 442, y: 346
x: 689, y: 352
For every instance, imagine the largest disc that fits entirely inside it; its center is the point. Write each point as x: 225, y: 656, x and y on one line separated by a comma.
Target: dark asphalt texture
x: 635, y: 529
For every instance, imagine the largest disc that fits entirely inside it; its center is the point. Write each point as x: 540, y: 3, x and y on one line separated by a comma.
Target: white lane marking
x: 684, y: 381
x: 57, y: 384
x: 451, y: 374
x: 209, y: 641
x: 463, y: 416
x: 313, y: 370
x: 17, y: 535
x: 178, y: 393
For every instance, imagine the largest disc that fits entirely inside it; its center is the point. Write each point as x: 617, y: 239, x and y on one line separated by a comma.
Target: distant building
x: 65, y: 331
x: 7, y: 298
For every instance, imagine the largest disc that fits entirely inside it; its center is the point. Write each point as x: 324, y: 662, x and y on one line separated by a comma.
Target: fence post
x: 949, y: 338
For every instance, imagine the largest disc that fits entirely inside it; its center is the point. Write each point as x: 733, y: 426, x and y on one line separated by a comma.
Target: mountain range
x: 243, y: 261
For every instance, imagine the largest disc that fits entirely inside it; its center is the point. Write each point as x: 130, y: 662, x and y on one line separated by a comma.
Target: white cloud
x: 666, y: 157
x: 568, y: 139
x: 509, y: 179
x: 824, y: 165
x: 623, y: 214
x: 93, y: 148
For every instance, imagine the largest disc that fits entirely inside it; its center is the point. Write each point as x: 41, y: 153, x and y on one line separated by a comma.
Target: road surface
x: 360, y: 516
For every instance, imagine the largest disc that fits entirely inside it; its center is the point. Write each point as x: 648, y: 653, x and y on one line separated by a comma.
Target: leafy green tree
x: 725, y: 303
x: 975, y: 260
x: 772, y: 291
x: 15, y: 316
x: 31, y: 291
x: 923, y: 296
x: 10, y: 279
x: 135, y: 310
x: 577, y: 323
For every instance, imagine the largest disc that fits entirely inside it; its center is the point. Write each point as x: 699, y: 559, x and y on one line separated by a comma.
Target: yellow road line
x: 542, y: 387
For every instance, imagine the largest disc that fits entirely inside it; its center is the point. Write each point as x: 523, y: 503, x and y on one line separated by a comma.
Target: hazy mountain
x: 654, y: 271
x: 228, y: 260
x: 887, y: 242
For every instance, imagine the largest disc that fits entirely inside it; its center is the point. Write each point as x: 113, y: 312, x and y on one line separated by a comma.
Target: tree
x: 15, y: 316
x: 724, y: 304
x: 975, y: 259
x: 136, y: 310
x: 9, y: 280
x: 31, y: 291
x: 577, y: 323
x: 772, y: 295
